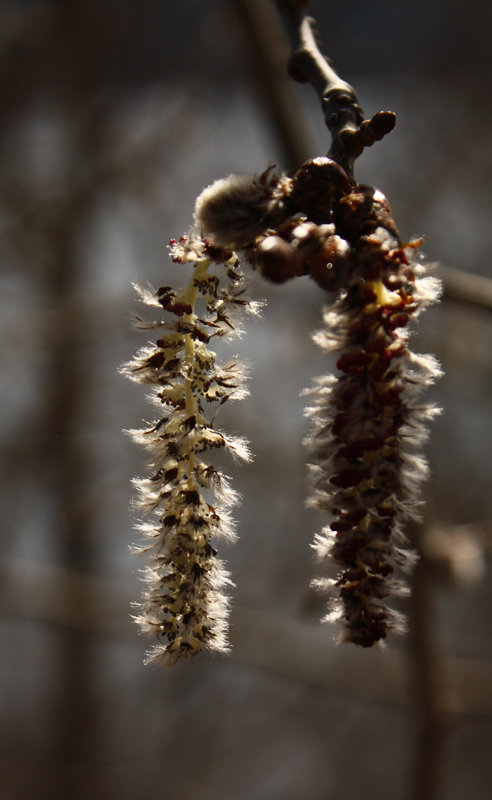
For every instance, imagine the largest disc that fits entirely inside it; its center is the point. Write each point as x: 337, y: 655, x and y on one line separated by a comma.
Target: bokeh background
x: 114, y: 114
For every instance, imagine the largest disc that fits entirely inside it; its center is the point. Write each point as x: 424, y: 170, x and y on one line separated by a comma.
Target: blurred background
x: 113, y: 116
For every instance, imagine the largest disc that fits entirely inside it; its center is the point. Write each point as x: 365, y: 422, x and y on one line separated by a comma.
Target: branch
x: 465, y: 286
x: 435, y: 698
x: 343, y: 114
x: 46, y: 593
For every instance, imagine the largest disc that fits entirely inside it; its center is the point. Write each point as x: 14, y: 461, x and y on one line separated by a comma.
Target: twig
x: 465, y: 286
x: 269, y: 50
x: 343, y: 114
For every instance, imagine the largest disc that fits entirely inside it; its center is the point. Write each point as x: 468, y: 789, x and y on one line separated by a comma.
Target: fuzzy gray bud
x: 234, y: 211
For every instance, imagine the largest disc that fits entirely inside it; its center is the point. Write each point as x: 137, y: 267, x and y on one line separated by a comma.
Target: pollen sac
x: 328, y: 264
x: 279, y: 260
x: 306, y: 249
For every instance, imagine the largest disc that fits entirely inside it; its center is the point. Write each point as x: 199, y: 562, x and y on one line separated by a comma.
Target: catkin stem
x: 191, y: 403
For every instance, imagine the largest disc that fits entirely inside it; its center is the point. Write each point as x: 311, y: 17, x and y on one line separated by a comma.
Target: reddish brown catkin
x: 366, y: 419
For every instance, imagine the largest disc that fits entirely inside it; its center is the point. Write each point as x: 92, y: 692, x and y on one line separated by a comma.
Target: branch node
x: 343, y: 114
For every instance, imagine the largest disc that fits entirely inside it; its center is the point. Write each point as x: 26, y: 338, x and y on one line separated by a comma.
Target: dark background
x: 113, y: 117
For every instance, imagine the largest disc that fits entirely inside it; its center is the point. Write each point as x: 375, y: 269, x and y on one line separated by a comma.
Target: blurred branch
x: 435, y: 700
x: 82, y: 602
x: 269, y: 47
x: 65, y: 597
x: 466, y: 286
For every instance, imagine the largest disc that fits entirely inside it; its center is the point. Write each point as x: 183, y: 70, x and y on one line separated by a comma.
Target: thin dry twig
x: 350, y: 132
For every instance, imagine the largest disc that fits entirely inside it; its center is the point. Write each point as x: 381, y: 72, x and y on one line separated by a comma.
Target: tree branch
x: 457, y: 284
x: 343, y: 114
x: 466, y: 287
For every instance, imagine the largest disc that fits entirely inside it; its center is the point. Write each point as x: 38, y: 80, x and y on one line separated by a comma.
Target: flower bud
x: 279, y: 260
